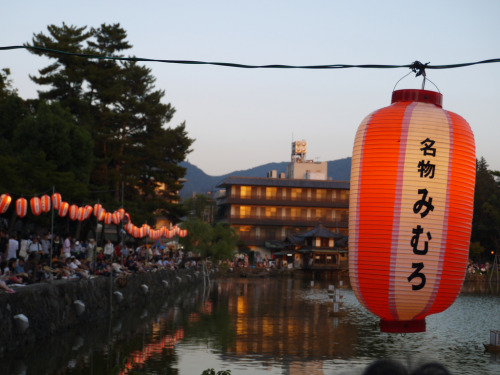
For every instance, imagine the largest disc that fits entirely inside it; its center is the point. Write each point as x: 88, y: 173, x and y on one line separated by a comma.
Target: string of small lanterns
x: 45, y: 203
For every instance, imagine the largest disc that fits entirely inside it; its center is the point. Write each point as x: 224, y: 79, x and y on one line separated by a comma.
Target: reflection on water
x: 271, y: 326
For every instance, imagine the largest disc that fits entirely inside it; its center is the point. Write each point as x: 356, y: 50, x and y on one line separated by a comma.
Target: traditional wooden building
x: 317, y: 249
x: 264, y: 211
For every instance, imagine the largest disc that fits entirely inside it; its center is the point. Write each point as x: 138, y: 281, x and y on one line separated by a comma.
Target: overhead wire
x: 416, y: 65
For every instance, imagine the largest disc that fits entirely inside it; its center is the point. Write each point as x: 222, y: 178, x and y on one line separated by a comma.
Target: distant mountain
x: 198, y: 182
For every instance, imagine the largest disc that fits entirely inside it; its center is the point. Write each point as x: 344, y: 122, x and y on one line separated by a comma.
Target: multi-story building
x: 264, y: 211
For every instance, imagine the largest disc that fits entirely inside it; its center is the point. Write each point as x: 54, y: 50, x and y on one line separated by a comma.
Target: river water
x: 266, y: 326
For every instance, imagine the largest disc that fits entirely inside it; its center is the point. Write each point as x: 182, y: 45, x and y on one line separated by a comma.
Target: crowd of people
x: 37, y: 258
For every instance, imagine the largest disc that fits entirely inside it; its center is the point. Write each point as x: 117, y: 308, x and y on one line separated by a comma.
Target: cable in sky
x: 416, y: 66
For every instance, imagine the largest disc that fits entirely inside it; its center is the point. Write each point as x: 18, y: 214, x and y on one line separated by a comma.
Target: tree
x: 200, y: 206
x: 118, y: 104
x: 217, y: 242
x: 66, y: 75
x: 486, y: 219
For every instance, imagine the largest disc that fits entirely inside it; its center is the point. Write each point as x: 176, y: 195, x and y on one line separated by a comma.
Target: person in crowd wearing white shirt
x: 109, y: 249
x: 13, y: 247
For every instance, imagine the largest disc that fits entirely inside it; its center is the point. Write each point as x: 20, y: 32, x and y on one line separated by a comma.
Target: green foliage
x: 217, y: 242
x: 96, y: 124
x: 200, y: 206
x: 485, y: 235
x: 476, y: 250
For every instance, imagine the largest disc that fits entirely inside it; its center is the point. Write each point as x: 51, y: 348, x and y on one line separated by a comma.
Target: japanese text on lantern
x: 422, y: 206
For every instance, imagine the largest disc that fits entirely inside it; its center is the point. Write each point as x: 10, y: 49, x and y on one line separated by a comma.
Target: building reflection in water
x: 276, y: 319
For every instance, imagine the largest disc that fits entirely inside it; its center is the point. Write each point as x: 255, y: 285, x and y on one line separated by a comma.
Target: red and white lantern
x: 410, y: 210
x: 56, y: 201
x: 81, y: 214
x: 5, y: 200
x: 115, y: 218
x: 73, y: 212
x: 97, y: 209
x: 36, y: 207
x: 147, y: 229
x: 101, y: 214
x: 63, y: 209
x: 45, y: 203
x: 108, y: 218
x: 88, y: 212
x: 21, y: 207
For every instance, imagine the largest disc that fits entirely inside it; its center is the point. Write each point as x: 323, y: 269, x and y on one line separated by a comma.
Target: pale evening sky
x: 242, y: 118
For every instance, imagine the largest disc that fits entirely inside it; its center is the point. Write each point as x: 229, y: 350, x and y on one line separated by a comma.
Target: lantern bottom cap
x: 402, y: 326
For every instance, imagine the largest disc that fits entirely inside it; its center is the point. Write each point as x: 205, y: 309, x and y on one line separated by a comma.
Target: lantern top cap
x: 414, y: 95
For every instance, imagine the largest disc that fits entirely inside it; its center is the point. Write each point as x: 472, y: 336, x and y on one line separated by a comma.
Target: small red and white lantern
x: 63, y: 209
x: 73, y: 212
x: 115, y: 218
x: 45, y: 203
x: 21, y: 207
x: 36, y: 207
x: 81, y: 214
x: 101, y: 214
x: 108, y: 218
x: 88, y: 212
x: 97, y: 209
x: 56, y: 201
x: 5, y: 200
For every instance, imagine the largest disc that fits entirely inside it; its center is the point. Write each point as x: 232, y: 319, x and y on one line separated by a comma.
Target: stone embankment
x: 38, y: 311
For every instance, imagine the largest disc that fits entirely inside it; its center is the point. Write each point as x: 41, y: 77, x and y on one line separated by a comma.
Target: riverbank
x: 38, y: 311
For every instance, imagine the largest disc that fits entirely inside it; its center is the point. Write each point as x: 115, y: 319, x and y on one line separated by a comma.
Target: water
x: 266, y: 326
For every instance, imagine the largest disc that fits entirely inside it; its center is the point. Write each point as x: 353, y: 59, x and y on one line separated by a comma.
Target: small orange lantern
x: 45, y: 203
x: 73, y: 212
x: 115, y: 218
x: 56, y: 201
x: 36, y: 206
x: 63, y: 209
x: 410, y: 209
x: 97, y: 208
x: 108, y: 218
x: 80, y: 214
x: 5, y: 200
x: 88, y: 212
x: 21, y: 207
x: 101, y: 214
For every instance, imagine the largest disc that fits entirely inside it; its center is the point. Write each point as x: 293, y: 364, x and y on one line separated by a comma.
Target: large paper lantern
x: 21, y: 207
x: 36, y: 206
x: 410, y: 209
x: 45, y: 203
x: 5, y: 200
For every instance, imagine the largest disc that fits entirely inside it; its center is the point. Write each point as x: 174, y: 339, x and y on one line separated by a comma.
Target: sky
x: 243, y: 118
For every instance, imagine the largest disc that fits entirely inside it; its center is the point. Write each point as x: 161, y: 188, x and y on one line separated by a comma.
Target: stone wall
x: 52, y: 308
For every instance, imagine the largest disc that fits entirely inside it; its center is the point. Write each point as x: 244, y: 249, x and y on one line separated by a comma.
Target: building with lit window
x: 264, y: 211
